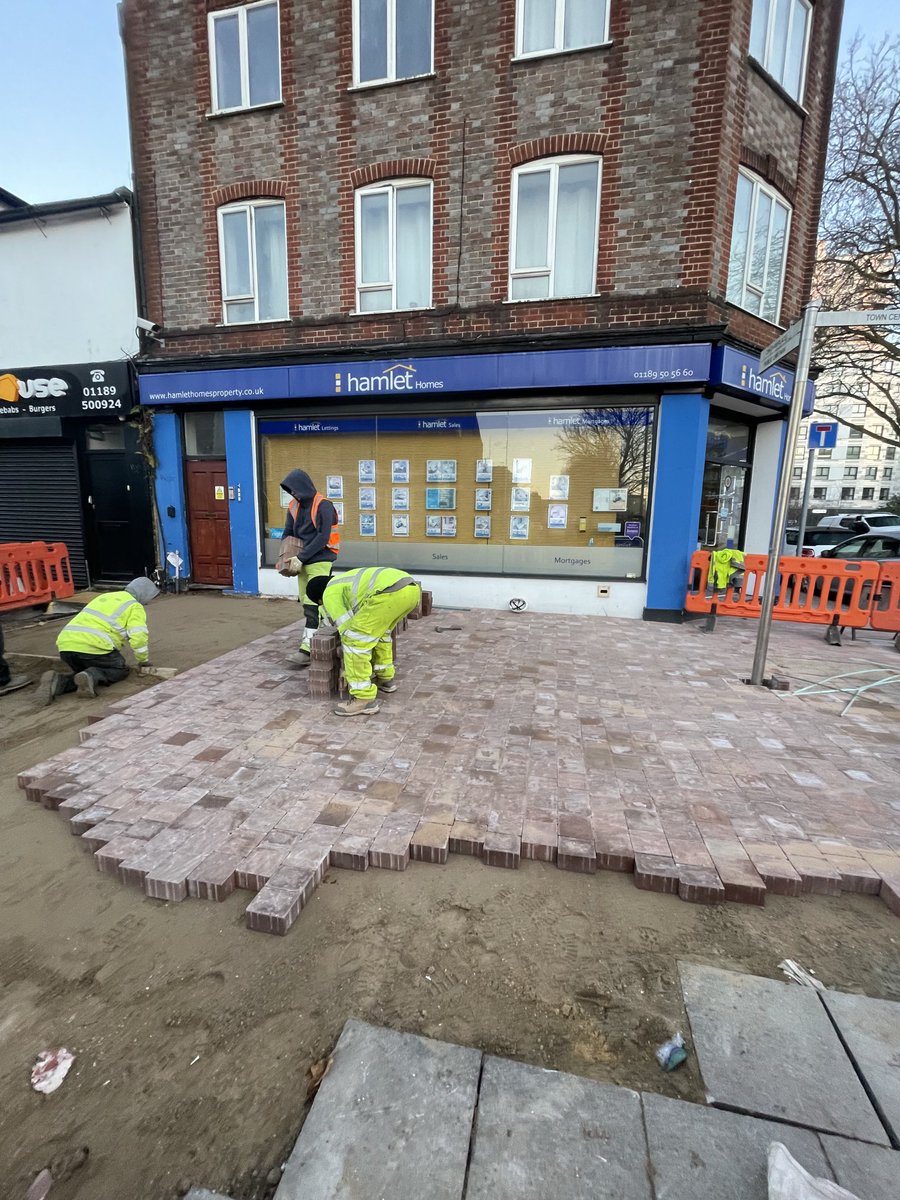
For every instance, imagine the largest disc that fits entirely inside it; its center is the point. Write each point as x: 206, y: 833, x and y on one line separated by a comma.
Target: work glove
x: 295, y: 566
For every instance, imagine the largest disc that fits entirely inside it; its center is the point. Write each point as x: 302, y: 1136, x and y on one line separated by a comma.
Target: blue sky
x: 64, y: 129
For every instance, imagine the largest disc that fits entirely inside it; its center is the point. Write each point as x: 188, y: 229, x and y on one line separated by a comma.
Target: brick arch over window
x: 250, y: 189
x: 767, y: 168
x: 398, y: 168
x: 560, y: 143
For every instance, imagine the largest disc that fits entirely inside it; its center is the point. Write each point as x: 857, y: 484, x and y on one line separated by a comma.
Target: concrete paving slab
x: 869, y: 1172
x: 768, y: 1049
x: 543, y: 1134
x: 393, y: 1117
x: 870, y: 1030
x: 699, y: 1153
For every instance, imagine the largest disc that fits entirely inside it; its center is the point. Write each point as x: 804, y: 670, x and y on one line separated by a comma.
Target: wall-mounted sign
x: 220, y: 491
x: 601, y: 366
x: 88, y: 390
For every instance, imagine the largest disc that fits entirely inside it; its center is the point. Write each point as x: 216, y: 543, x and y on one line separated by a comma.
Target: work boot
x: 49, y: 688
x: 356, y: 708
x: 15, y: 682
x: 86, y: 685
x: 301, y: 659
x: 386, y: 685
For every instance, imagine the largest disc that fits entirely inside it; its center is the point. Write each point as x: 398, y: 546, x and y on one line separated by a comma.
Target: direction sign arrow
x: 878, y: 316
x: 780, y: 347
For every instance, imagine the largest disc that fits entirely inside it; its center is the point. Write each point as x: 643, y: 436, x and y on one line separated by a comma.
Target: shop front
x: 72, y: 468
x: 570, y: 480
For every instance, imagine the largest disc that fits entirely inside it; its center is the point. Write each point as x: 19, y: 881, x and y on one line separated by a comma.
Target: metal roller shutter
x: 40, y: 498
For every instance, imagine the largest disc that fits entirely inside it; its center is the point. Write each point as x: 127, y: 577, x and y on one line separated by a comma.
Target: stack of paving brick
x: 324, y: 672
x: 223, y: 779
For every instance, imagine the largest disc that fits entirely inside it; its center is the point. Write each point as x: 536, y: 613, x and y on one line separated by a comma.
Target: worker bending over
x: 313, y: 521
x: 365, y: 605
x: 91, y: 643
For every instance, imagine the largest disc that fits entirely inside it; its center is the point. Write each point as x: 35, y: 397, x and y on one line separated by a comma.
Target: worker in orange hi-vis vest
x: 313, y: 521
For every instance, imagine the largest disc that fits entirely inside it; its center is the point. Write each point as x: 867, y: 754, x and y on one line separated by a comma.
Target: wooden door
x: 208, y: 523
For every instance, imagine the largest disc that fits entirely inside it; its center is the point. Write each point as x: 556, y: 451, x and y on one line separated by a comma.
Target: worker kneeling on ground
x: 91, y: 643
x: 365, y: 605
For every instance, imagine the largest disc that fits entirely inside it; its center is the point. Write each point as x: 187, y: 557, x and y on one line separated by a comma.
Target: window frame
x: 241, y: 11
x: 390, y: 186
x: 392, y: 76
x: 759, y: 185
x: 249, y: 206
x: 768, y: 39
x: 559, y: 27
x: 534, y: 166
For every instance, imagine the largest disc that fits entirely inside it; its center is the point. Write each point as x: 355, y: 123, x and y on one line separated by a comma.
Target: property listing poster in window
x: 460, y: 483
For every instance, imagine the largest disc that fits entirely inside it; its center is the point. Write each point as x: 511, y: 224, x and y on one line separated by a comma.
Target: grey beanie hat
x: 143, y: 589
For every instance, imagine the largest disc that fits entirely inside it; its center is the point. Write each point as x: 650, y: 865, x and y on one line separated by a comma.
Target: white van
x: 863, y: 522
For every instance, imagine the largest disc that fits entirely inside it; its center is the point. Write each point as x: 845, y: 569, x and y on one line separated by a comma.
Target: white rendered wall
x: 763, y: 482
x: 68, y: 293
x: 626, y: 598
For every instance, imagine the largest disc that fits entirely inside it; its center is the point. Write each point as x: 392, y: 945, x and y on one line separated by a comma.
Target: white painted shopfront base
x: 625, y: 598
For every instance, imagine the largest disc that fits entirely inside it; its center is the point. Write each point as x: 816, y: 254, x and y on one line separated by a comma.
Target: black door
x: 118, y: 521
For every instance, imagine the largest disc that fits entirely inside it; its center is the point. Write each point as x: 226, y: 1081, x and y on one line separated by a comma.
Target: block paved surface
x: 589, y: 743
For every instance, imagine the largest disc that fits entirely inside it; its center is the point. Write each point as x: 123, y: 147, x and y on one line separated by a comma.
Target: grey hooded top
x: 143, y: 589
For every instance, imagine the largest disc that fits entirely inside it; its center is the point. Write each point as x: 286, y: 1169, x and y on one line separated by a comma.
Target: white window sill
x: 382, y: 83
x: 751, y: 313
x: 551, y: 299
x: 795, y: 102
x: 213, y: 114
x: 555, y: 53
x: 389, y: 312
x: 244, y: 324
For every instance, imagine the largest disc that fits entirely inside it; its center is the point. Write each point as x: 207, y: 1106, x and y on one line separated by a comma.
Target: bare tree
x: 859, y: 266
x: 619, y: 437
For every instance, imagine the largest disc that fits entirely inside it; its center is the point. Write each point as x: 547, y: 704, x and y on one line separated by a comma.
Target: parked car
x: 815, y: 541
x: 862, y: 522
x: 879, y: 546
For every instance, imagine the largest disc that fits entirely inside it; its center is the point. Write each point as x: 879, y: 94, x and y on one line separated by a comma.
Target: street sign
x: 878, y: 316
x: 784, y: 343
x: 823, y: 435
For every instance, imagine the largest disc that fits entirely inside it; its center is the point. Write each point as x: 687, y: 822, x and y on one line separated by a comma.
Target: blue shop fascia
x: 578, y: 480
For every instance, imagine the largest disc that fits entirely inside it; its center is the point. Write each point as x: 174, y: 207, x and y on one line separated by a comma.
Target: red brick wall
x: 672, y: 103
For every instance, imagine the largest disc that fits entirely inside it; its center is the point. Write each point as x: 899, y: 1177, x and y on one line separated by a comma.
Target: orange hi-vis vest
x: 334, y: 541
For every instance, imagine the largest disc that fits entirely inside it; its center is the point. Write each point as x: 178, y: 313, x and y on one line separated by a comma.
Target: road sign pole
x: 804, y: 506
x: 801, y: 375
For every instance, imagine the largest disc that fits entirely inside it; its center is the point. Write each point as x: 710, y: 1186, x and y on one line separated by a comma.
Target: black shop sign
x: 88, y: 390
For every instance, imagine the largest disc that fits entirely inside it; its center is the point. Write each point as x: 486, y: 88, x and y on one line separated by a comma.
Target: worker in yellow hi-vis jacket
x: 91, y: 643
x: 365, y: 605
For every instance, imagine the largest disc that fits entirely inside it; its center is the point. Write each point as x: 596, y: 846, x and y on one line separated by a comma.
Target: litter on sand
x: 50, y: 1070
x: 789, y: 1181
x: 800, y: 975
x: 671, y: 1054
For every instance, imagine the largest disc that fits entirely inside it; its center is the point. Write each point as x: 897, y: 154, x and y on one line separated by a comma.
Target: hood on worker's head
x: 299, y: 484
x: 144, y: 590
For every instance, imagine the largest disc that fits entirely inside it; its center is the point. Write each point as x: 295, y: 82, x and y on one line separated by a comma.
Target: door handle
x: 710, y: 540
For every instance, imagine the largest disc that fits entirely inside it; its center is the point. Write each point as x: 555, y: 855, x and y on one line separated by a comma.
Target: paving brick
x: 430, y: 843
x: 540, y: 841
x: 576, y: 854
x: 656, y: 873
x: 890, y: 892
x: 856, y: 876
x: 390, y: 851
x: 257, y: 868
x: 817, y: 876
x: 467, y: 837
x: 274, y: 910
x: 351, y: 852
x: 502, y: 850
x: 700, y: 885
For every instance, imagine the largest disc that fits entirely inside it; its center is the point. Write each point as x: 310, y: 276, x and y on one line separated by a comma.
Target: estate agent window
x: 393, y: 246
x: 392, y: 39
x: 545, y: 26
x: 759, y: 240
x: 779, y: 38
x: 554, y: 228
x: 245, y: 56
x: 253, y: 262
x: 561, y: 492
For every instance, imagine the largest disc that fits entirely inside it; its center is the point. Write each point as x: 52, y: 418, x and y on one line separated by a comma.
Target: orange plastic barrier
x: 33, y: 573
x: 817, y: 591
x: 885, y: 613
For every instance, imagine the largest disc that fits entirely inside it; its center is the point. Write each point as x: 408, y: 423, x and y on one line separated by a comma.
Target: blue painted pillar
x: 240, y: 458
x: 169, y: 484
x: 680, y: 459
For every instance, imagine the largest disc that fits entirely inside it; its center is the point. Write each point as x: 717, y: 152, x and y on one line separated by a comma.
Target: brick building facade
x: 292, y: 134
